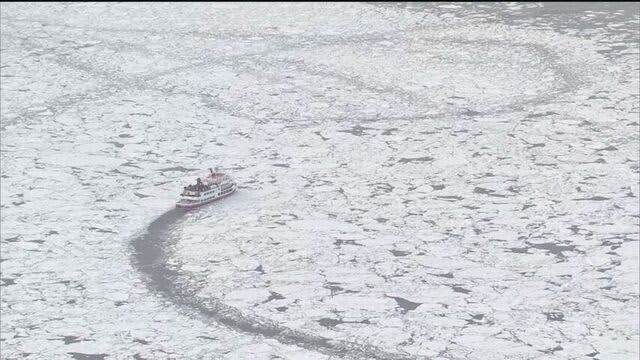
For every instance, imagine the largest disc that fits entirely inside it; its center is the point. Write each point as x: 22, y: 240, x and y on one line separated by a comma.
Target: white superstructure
x: 215, y: 185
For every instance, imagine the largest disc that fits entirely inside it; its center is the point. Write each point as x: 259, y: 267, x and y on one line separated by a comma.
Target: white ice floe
x: 421, y: 181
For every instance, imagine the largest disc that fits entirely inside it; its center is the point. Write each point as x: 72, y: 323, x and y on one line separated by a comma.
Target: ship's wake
x: 150, y: 256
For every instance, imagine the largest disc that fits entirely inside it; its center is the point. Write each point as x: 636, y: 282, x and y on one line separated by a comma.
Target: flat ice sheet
x: 423, y: 181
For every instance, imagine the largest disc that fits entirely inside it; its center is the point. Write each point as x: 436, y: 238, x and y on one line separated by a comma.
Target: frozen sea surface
x: 424, y: 180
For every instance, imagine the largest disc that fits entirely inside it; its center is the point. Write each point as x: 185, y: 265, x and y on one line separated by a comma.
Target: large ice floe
x: 441, y: 181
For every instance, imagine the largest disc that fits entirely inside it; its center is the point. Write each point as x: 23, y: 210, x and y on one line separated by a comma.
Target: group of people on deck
x: 199, y: 186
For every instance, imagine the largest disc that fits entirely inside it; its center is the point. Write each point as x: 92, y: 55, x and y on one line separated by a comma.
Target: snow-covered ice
x: 440, y: 181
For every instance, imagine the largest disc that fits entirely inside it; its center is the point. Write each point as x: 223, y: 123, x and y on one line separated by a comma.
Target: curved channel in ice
x: 151, y: 252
